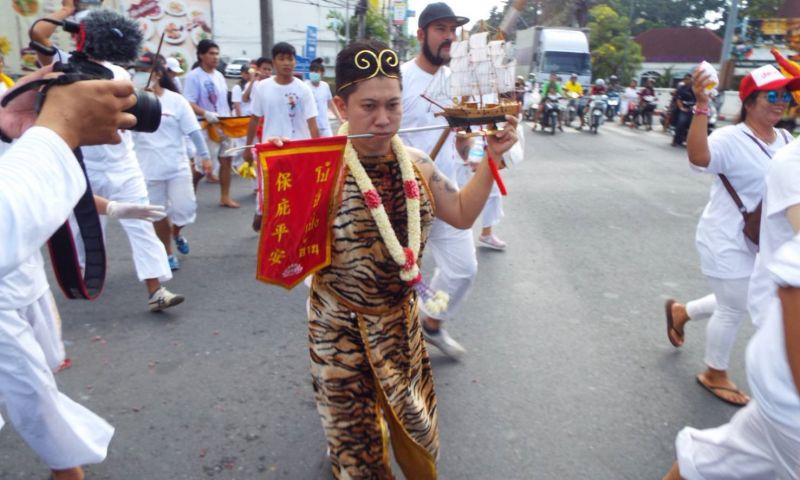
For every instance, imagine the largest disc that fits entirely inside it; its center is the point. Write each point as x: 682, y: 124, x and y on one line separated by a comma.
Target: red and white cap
x: 766, y: 78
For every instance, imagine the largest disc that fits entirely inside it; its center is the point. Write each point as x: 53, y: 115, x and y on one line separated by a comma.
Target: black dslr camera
x: 104, y: 36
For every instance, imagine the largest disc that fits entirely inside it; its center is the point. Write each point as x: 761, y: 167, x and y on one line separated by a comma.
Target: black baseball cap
x: 439, y: 11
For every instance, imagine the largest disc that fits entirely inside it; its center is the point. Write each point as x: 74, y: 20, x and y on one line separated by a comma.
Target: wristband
x: 701, y: 111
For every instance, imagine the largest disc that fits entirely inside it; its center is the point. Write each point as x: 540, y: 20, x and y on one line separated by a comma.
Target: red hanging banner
x: 299, y: 181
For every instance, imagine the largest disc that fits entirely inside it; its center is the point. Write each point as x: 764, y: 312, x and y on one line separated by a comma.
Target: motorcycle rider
x: 554, y: 83
x: 684, y: 101
x: 573, y: 90
x: 648, y: 90
x: 599, y: 88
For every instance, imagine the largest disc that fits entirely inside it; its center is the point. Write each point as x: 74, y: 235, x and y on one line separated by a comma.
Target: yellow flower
x: 5, y: 45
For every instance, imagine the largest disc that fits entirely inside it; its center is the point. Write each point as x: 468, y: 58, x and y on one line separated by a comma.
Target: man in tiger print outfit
x: 371, y: 373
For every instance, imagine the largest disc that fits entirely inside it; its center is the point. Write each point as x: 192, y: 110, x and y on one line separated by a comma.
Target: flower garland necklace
x: 406, y: 257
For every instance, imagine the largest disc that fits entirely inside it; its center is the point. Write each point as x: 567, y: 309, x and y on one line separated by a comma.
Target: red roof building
x: 680, y: 45
x: 789, y: 9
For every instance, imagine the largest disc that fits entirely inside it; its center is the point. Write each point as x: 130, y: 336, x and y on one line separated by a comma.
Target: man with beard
x: 452, y: 249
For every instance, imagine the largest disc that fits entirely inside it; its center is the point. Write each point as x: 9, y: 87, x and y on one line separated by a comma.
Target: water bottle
x: 476, y: 152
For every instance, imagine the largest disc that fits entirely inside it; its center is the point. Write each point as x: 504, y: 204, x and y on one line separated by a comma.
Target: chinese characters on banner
x: 299, y: 181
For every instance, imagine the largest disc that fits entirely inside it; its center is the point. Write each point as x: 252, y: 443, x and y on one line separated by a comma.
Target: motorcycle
x: 596, y: 111
x: 552, y: 110
x: 647, y: 109
x: 572, y: 106
x: 612, y: 105
x: 530, y: 104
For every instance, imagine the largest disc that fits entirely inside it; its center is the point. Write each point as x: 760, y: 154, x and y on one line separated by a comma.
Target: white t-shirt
x: 767, y: 363
x: 322, y: 94
x: 781, y: 192
x: 35, y: 203
x: 286, y: 108
x: 113, y: 159
x: 724, y: 251
x: 418, y: 112
x: 162, y: 154
x: 208, y: 90
x: 236, y: 97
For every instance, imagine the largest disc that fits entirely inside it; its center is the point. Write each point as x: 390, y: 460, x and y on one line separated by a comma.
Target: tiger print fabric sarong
x: 370, y: 368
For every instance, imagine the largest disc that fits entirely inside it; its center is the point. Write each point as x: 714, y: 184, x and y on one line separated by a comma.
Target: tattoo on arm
x: 437, y: 178
x: 423, y: 159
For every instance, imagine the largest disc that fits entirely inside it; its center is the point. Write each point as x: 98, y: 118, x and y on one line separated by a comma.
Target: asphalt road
x: 569, y: 374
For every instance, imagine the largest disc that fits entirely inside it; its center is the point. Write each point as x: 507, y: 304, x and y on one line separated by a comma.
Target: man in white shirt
x: 452, y: 249
x: 286, y: 104
x: 33, y: 204
x: 113, y: 170
x: 322, y: 94
x: 207, y: 92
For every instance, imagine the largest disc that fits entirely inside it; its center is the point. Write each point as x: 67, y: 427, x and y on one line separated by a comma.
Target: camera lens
x: 147, y: 112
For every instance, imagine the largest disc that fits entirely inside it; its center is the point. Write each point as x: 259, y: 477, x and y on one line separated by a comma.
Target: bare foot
x: 718, y: 383
x: 212, y: 179
x: 229, y: 203
x: 74, y: 473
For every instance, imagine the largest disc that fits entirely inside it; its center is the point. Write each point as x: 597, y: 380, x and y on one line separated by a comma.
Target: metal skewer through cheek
x: 232, y: 151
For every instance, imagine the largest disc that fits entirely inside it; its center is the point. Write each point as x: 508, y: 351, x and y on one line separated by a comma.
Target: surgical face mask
x: 314, y: 77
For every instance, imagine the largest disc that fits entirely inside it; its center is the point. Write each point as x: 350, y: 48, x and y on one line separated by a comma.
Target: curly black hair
x: 111, y: 37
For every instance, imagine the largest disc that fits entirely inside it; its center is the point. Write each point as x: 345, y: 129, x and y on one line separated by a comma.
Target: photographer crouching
x: 41, y: 183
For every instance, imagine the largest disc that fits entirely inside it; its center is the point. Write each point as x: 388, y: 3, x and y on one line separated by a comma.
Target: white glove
x: 120, y: 210
x: 211, y: 117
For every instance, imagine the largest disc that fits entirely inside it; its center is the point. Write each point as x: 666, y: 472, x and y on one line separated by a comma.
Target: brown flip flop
x: 714, y: 389
x: 670, y: 325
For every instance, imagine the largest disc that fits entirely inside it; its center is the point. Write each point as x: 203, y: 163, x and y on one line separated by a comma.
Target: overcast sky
x: 472, y: 9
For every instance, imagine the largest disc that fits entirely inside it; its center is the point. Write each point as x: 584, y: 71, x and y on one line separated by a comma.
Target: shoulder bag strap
x: 733, y: 194
x: 727, y: 183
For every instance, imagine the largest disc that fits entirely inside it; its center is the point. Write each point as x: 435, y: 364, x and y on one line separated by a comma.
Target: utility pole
x: 267, y: 31
x: 630, y: 39
x: 726, y: 65
x: 361, y: 12
x: 346, y: 22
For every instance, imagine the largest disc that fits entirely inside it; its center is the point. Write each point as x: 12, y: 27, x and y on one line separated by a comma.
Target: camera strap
x: 64, y: 254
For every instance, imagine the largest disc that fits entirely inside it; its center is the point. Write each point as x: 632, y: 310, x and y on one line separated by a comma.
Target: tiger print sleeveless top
x: 361, y: 271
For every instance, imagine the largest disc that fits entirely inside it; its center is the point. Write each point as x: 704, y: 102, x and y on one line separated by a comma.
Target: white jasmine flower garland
x: 435, y: 302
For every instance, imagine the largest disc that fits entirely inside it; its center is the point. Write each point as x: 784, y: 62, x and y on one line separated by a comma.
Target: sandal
x: 670, y: 325
x: 714, y: 391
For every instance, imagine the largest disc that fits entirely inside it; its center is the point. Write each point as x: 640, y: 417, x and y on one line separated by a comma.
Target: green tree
x: 759, y: 8
x: 375, y: 25
x: 613, y: 50
x: 648, y: 14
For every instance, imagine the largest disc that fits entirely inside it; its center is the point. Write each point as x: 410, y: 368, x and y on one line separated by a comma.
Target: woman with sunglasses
x: 741, y: 153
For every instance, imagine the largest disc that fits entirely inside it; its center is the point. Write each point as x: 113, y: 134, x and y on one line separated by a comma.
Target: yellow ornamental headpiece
x: 384, y: 63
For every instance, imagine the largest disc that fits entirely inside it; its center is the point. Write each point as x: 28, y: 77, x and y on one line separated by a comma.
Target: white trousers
x: 63, y: 433
x: 453, y: 251
x: 177, y: 195
x: 729, y: 307
x: 149, y: 254
x: 749, y: 447
x: 493, y: 210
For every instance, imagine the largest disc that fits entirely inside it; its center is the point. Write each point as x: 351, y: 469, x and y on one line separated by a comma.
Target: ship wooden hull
x: 471, y: 114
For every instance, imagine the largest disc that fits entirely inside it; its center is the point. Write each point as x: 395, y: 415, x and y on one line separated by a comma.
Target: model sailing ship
x: 480, y: 70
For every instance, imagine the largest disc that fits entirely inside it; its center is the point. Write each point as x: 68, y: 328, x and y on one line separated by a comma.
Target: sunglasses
x: 772, y: 97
